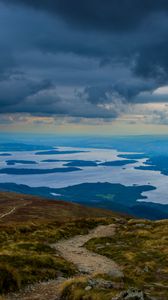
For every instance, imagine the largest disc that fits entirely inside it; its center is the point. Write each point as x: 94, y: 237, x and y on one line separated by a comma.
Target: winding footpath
x: 8, y: 213
x: 86, y: 261
x: 13, y: 210
x: 72, y: 250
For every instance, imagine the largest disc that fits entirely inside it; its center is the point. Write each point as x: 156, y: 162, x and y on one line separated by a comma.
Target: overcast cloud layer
x: 87, y: 59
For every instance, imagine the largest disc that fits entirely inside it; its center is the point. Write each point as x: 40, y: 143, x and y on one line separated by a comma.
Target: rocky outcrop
x: 133, y: 294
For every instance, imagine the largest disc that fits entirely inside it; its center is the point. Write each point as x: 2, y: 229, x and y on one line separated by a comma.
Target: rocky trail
x: 87, y: 263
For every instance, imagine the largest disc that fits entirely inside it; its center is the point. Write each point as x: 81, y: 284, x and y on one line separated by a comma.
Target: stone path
x: 87, y: 262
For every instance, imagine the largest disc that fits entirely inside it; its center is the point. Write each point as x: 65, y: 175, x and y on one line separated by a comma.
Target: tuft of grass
x: 10, y: 279
x: 76, y: 289
x: 24, y: 267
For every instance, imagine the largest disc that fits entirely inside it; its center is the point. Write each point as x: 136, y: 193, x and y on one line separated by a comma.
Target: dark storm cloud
x: 125, y: 90
x: 7, y: 63
x: 47, y: 102
x: 152, y: 62
x: 15, y: 89
x: 81, y: 58
x: 100, y: 14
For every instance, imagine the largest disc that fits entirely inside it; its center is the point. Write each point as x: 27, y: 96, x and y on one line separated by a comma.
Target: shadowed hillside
x: 19, y: 208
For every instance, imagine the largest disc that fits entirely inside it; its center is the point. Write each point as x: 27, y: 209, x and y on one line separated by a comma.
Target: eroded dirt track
x: 8, y: 213
x: 87, y: 262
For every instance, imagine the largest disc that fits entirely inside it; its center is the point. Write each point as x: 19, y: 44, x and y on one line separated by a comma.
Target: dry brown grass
x: 38, y: 210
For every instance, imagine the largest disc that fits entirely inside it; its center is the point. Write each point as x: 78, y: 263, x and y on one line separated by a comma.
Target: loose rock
x: 88, y: 288
x: 132, y: 294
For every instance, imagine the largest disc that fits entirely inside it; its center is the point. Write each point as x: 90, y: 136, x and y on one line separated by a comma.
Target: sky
x: 84, y: 67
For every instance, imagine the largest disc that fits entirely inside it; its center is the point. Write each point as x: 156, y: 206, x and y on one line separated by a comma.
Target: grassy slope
x: 31, y: 209
x: 26, y: 234
x: 141, y: 247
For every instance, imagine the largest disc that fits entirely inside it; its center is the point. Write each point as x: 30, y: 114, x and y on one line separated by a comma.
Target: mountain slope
x: 76, y: 252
